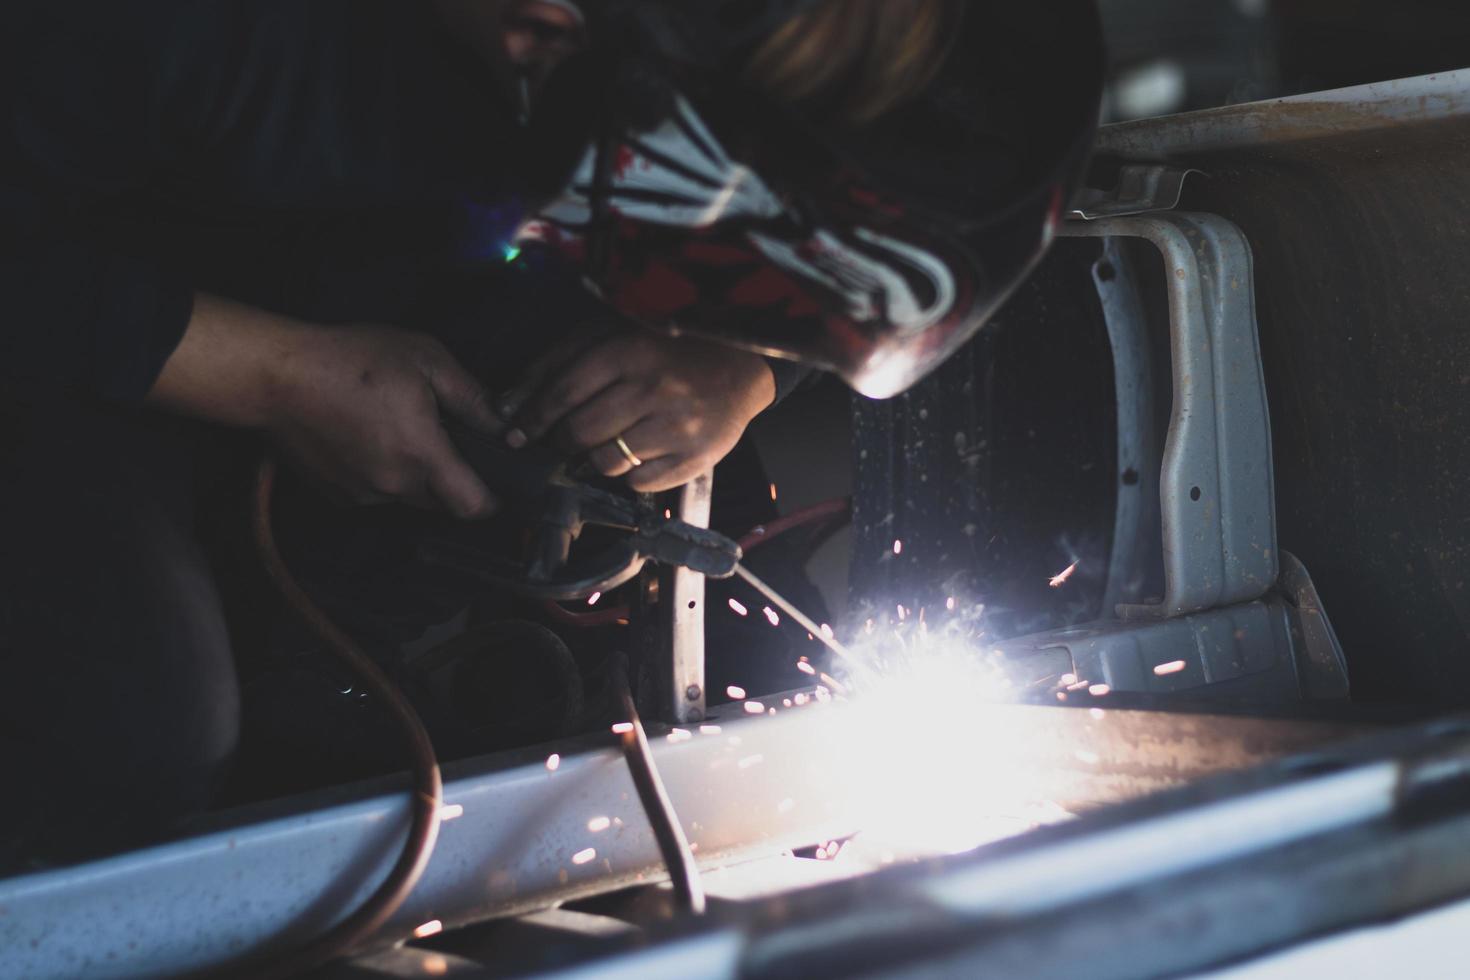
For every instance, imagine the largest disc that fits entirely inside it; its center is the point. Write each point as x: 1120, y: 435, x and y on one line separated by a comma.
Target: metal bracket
x: 686, y: 703
x: 1216, y: 487
x: 1142, y: 188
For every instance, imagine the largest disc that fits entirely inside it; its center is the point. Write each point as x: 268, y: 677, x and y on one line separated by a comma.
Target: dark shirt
x: 153, y: 147
x: 336, y: 160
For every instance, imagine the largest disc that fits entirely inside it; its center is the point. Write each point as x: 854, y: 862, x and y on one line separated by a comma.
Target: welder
x: 226, y: 216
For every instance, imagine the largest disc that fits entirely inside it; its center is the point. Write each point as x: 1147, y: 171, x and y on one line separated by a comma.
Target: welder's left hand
x: 679, y: 404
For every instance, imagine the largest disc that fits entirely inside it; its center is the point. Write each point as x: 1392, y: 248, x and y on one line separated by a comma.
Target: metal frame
x: 746, y: 791
x: 1332, y: 114
x: 1216, y: 489
x: 1178, y: 882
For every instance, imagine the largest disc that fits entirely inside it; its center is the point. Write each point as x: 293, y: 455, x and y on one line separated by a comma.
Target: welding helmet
x: 696, y: 206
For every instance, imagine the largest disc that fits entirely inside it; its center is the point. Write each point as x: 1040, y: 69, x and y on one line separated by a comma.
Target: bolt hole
x: 1106, y: 272
x: 693, y: 603
x: 1194, y: 493
x: 1130, y: 477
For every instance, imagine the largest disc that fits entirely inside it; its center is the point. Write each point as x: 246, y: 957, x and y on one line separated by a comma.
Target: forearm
x: 229, y: 365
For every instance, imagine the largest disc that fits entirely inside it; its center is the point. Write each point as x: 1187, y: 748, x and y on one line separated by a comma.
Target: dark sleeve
x: 271, y: 105
x: 789, y: 376
x: 83, y: 318
x: 79, y: 313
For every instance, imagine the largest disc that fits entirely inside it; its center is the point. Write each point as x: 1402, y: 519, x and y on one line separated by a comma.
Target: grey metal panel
x: 1319, y: 115
x: 197, y: 903
x: 1216, y: 488
x: 1247, y: 640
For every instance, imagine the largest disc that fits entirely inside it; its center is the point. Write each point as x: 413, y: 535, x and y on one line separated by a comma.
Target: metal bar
x: 1136, y: 540
x: 520, y: 833
x: 1319, y: 115
x: 1159, y: 887
x: 687, y: 695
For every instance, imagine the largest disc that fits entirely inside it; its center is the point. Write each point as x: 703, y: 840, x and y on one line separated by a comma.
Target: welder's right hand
x: 357, y: 408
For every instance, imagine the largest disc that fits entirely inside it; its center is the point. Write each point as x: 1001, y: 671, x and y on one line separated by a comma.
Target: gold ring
x: 628, y: 454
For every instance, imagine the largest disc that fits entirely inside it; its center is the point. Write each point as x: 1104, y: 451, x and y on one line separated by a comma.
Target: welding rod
x: 790, y: 610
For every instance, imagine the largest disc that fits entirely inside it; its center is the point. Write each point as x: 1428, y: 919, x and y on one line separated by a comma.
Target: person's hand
x: 360, y: 411
x: 357, y: 408
x: 680, y: 405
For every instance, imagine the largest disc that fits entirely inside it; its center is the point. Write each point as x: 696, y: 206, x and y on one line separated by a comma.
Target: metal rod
x: 790, y: 610
x: 672, y: 843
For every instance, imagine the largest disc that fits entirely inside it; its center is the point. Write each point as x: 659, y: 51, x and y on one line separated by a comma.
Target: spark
x: 450, y: 812
x: 1079, y: 685
x: 1061, y: 695
x: 583, y: 856
x: 949, y: 603
x: 903, y: 613
x: 598, y: 824
x: 1096, y: 713
x: 739, y: 607
x: 1060, y: 578
x: 827, y: 631
x: 735, y: 693
x: 431, y: 928
x: 511, y: 253
x: 594, y: 598
x: 754, y: 708
x: 553, y: 762
x: 1098, y: 690
x: 806, y: 668
x: 1067, y: 680
x: 785, y: 702
x: 801, y: 700
x: 773, y: 492
x: 668, y: 514
x: 709, y: 729
x: 677, y: 735
x: 436, y: 965
x: 1172, y: 667
x: 771, y: 616
x: 622, y: 728
x: 897, y: 547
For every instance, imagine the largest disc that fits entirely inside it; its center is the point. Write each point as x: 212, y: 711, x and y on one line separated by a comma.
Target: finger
x: 460, y: 395
x: 610, y: 413
x: 651, y: 439
x: 454, y: 485
x: 595, y: 370
x: 667, y: 473
x: 555, y: 359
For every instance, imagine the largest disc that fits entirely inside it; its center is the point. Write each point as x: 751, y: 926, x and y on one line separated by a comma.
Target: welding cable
x: 838, y: 508
x: 428, y: 790
x: 667, y: 831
